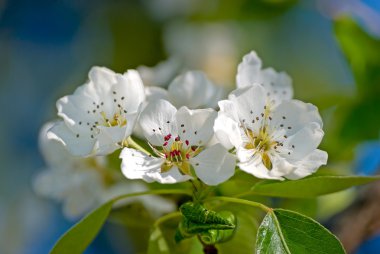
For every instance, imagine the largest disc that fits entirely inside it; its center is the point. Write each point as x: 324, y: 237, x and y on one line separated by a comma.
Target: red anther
x: 193, y: 148
x: 177, y: 138
x: 187, y: 142
x: 187, y: 156
x: 165, y: 144
x: 177, y: 152
x: 172, y: 154
x: 166, y: 155
x: 167, y: 137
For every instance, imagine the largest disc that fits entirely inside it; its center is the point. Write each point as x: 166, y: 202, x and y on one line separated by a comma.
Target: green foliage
x: 283, y: 231
x: 76, y: 240
x: 309, y: 187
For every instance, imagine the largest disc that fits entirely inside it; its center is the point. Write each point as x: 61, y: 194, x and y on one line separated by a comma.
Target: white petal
x: 308, y: 165
x: 250, y: 103
x: 278, y: 85
x: 170, y: 177
x: 291, y: 116
x: 214, y: 165
x: 194, y: 90
x: 254, y: 166
x: 101, y: 78
x: 77, y: 145
x: 158, y: 120
x: 129, y: 91
x: 304, y: 141
x: 248, y: 70
x: 227, y: 132
x: 196, y: 126
x: 136, y: 164
x: 156, y: 93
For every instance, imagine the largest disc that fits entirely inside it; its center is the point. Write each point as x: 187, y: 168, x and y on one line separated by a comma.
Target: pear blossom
x: 278, y: 84
x: 82, y: 184
x: 272, y: 142
x: 178, y: 139
x: 101, y: 114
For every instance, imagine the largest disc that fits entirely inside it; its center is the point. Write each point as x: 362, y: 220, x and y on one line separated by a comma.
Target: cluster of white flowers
x: 258, y: 128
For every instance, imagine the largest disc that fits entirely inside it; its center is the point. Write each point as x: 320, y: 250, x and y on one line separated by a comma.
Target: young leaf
x: 76, y: 240
x: 309, y: 187
x: 287, y: 232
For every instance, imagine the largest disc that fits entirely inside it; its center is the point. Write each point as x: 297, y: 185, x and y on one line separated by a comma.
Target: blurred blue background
x: 47, y: 48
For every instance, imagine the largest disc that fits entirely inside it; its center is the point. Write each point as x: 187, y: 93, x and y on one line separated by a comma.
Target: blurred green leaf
x: 362, y: 52
x: 309, y: 187
x: 284, y: 231
x: 76, y: 240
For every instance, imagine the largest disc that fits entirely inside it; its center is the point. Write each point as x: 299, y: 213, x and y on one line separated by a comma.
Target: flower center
x: 176, y: 153
x: 118, y: 119
x: 261, y: 143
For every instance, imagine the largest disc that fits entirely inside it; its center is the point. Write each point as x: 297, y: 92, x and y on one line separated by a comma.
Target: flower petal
x: 136, y: 164
x: 250, y: 103
x: 291, y: 116
x: 194, y: 90
x: 77, y: 144
x: 308, y: 165
x: 303, y: 142
x: 196, y: 126
x: 255, y: 167
x: 158, y: 120
x: 214, y: 165
x: 227, y: 132
x: 248, y: 70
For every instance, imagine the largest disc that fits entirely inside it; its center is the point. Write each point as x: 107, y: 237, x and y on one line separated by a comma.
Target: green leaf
x: 76, y: 240
x: 78, y: 237
x: 309, y: 187
x: 288, y: 232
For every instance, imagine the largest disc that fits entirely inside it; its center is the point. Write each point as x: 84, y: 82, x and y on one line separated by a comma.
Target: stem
x: 166, y: 217
x: 133, y: 144
x: 242, y: 201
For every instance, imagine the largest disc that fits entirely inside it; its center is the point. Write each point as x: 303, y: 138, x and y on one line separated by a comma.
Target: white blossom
x: 273, y: 142
x: 100, y: 114
x: 178, y: 139
x: 82, y: 184
x: 278, y: 84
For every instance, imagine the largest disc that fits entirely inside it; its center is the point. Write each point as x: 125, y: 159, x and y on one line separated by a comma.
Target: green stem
x: 242, y: 201
x: 133, y: 144
x: 166, y: 217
